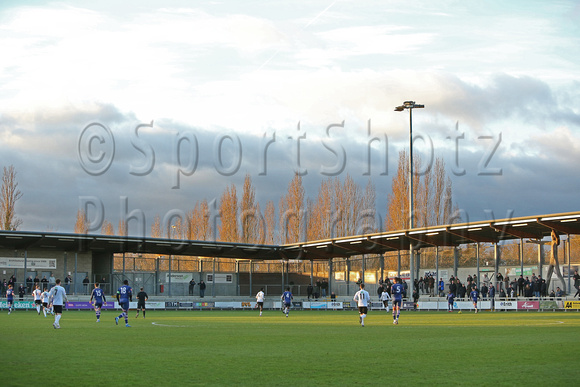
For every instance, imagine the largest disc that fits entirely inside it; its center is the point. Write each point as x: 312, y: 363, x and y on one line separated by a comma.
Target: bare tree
x: 292, y: 208
x: 270, y: 217
x: 82, y: 223
x: 107, y: 228
x: 432, y: 196
x: 228, y: 227
x: 156, y: 229
x: 250, y: 216
x: 8, y: 198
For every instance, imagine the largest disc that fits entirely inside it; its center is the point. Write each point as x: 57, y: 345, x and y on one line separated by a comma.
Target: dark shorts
x: 386, y: 303
x: 10, y: 302
x: 37, y: 302
x: 260, y: 305
x: 397, y: 303
x: 57, y: 308
x: 363, y: 309
x: 97, y: 305
x: 124, y: 305
x: 287, y: 304
x: 141, y: 305
x: 45, y: 304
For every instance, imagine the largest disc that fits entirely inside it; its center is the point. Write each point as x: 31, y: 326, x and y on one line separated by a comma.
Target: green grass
x: 309, y: 348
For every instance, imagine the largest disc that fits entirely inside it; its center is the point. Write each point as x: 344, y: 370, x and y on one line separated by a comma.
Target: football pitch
x: 308, y: 348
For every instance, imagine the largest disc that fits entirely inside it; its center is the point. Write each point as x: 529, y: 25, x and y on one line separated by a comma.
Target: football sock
x: 126, y: 318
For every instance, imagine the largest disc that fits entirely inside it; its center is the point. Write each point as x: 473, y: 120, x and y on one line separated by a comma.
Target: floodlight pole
x: 410, y: 105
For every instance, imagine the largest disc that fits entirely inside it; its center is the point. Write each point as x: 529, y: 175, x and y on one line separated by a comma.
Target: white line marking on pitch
x: 167, y: 325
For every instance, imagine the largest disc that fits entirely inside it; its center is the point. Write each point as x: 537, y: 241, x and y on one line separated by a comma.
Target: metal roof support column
x: 25, y: 268
x: 496, y: 265
x: 363, y: 264
x: 347, y: 275
x: 477, y: 260
x: 213, y: 278
x: 399, y: 263
x: 312, y: 272
x: 436, y: 288
x: 567, y: 253
x: 251, y: 264
x: 521, y: 256
x: 541, y: 259
x: 455, y: 261
x: 237, y: 277
x: 382, y: 263
x: 329, y: 276
x: 169, y: 270
x: 282, y: 272
x: 76, y: 267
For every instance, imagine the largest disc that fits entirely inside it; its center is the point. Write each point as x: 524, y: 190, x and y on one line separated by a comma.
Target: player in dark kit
x: 124, y: 296
x: 10, y: 298
x: 474, y: 295
x: 397, y: 291
x: 141, y: 298
x: 287, y: 300
x: 100, y: 299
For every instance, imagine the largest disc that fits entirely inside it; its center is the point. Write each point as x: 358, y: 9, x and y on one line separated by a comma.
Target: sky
x: 146, y: 107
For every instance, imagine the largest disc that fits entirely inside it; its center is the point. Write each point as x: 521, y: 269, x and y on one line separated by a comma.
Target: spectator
x: 86, y: 283
x: 421, y: 285
x: 577, y: 283
x: 309, y: 290
x: 536, y: 287
x: 44, y: 282
x: 37, y: 281
x: 552, y: 294
x: 543, y: 288
x: 380, y: 290
x: 528, y: 291
x: 29, y: 284
x: 461, y: 290
x: 453, y: 287
x: 201, y: 289
x: 521, y: 285
x: 67, y: 282
x: 51, y: 281
x: 324, y: 286
x: 484, y: 291
x: 191, y: 286
x: 441, y: 287
x: 491, y: 293
x: 21, y: 292
x: 502, y: 294
x: 559, y: 292
x: 499, y: 280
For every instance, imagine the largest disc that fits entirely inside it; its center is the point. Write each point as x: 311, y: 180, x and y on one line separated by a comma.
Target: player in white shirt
x: 44, y: 297
x: 37, y: 298
x: 57, y: 300
x: 260, y: 300
x: 362, y: 298
x: 385, y: 297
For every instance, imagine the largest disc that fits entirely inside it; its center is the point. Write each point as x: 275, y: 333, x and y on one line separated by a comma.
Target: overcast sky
x: 153, y: 105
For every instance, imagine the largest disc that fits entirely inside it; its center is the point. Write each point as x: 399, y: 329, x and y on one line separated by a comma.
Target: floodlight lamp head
x: 399, y: 108
x: 409, y: 103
